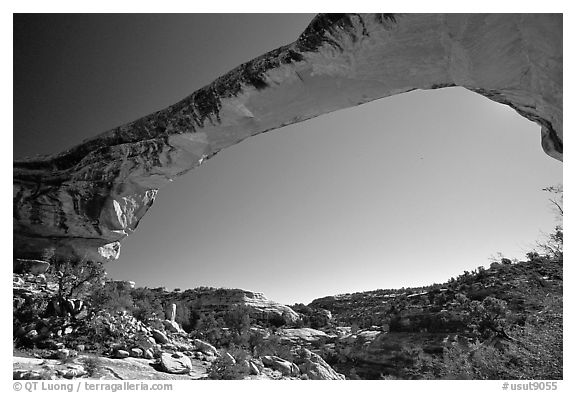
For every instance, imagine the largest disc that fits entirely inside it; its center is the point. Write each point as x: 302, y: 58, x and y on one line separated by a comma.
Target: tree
x: 238, y: 319
x: 209, y: 328
x: 556, y: 199
x: 553, y: 246
x: 76, y: 279
x: 111, y: 298
x: 534, y: 351
x: 490, y: 316
x: 146, y: 304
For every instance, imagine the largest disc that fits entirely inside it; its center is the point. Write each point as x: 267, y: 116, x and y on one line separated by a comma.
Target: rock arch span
x: 82, y: 202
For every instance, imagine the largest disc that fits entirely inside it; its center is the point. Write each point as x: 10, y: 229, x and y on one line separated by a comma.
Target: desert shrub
x: 552, y: 246
x: 238, y: 319
x: 539, y: 343
x: 111, y: 299
x: 92, y: 365
x: 188, y: 319
x: 272, y: 345
x: 532, y: 351
x: 210, y: 328
x: 76, y: 279
x: 30, y: 310
x: 223, y: 369
x: 146, y: 304
x: 274, y: 321
x: 106, y: 330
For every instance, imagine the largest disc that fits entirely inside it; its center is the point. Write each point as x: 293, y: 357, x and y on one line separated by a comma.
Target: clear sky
x: 404, y: 191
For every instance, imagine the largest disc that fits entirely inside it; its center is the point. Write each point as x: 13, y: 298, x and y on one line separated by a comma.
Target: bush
x: 223, y: 369
x: 76, y: 279
x: 111, y: 298
x: 92, y: 365
x: 146, y: 304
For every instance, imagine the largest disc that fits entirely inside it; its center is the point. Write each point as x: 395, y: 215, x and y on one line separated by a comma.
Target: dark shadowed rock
x: 32, y: 266
x: 120, y: 354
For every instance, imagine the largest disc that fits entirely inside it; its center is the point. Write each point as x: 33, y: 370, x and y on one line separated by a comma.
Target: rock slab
x: 176, y: 363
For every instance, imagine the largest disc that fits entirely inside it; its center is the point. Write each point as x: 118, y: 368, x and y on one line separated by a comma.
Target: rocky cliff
x: 379, y: 330
x: 82, y: 202
x: 222, y: 300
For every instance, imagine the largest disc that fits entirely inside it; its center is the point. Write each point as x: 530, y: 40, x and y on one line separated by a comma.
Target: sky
x: 404, y: 191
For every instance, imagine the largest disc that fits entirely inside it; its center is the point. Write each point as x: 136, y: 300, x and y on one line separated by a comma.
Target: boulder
x: 253, y: 368
x: 205, y: 347
x: 160, y: 337
x: 142, y: 341
x: 248, y: 367
x: 169, y: 347
x: 120, y: 354
x: 314, y: 367
x: 26, y: 374
x: 172, y: 326
x: 227, y: 358
x: 287, y: 368
x: 184, y: 347
x: 31, y: 335
x: 136, y: 352
x: 176, y: 363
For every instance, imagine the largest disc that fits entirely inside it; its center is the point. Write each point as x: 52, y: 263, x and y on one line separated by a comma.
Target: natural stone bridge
x: 82, y: 202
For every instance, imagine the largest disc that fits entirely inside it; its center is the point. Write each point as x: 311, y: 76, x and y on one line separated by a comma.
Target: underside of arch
x: 82, y: 202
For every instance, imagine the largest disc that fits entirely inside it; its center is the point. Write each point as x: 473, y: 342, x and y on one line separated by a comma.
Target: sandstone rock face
x: 82, y: 202
x: 303, y: 336
x: 220, y: 300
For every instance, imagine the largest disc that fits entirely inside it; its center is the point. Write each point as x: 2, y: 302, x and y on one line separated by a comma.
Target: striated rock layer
x: 82, y: 202
x: 222, y: 300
